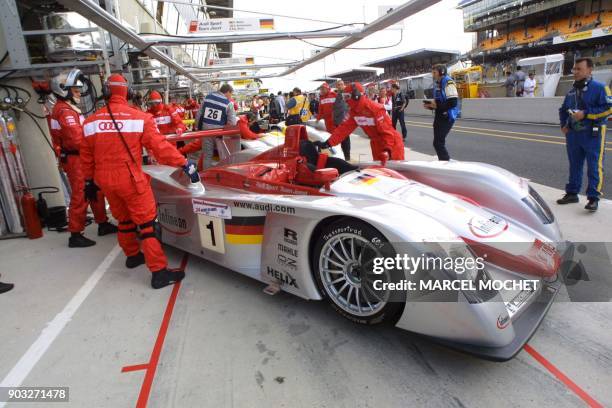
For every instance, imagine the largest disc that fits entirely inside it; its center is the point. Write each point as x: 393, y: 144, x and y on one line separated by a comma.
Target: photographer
x: 445, y: 107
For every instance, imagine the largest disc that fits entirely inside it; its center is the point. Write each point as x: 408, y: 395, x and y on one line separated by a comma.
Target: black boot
x: 568, y: 199
x: 592, y: 205
x: 106, y: 228
x: 165, y: 277
x: 135, y: 260
x: 5, y: 287
x: 78, y: 240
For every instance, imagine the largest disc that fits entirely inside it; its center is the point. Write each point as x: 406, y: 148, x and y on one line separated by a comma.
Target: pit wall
x: 526, y: 110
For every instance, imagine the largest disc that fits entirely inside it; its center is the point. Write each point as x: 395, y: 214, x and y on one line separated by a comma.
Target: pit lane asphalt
x: 536, y: 152
x: 230, y: 345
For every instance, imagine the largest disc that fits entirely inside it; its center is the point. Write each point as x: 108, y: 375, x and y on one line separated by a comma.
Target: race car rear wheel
x: 342, y: 261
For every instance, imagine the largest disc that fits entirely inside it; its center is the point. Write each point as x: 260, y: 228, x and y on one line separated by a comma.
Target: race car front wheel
x: 343, y: 263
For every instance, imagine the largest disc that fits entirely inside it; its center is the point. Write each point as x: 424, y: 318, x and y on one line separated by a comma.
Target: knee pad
x: 126, y: 227
x: 156, y: 233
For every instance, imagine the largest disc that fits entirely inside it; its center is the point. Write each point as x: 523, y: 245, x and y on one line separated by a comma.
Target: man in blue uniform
x: 216, y: 112
x: 583, y: 118
x: 444, y: 104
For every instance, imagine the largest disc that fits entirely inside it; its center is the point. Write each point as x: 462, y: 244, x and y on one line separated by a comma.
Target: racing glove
x: 91, y: 191
x: 191, y: 170
x: 321, y: 145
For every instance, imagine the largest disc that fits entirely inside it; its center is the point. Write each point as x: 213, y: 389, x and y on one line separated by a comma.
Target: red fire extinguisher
x: 30, y: 216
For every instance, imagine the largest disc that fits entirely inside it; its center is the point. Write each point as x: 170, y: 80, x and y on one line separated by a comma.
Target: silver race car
x: 324, y: 229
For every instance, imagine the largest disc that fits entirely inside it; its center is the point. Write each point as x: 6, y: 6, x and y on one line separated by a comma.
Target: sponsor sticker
x: 211, y: 209
x: 366, y: 179
x: 282, y: 277
x: 487, y: 227
x: 290, y: 236
x: 503, y: 321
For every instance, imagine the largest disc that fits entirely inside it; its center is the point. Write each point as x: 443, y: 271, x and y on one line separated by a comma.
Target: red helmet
x: 117, y: 86
x: 154, y: 98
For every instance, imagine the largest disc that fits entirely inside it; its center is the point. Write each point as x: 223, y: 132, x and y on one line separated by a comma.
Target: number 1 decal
x: 211, y: 233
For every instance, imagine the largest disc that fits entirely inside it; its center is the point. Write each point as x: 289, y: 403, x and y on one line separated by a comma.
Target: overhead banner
x: 584, y: 35
x: 232, y: 61
x: 222, y: 25
x: 242, y: 82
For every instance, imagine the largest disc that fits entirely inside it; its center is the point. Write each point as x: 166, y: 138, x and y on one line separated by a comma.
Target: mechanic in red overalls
x: 167, y: 119
x: 114, y: 137
x: 326, y: 107
x: 178, y: 108
x: 67, y: 133
x: 374, y: 121
x: 191, y: 108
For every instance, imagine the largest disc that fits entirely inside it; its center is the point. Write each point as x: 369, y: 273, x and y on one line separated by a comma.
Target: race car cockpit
x: 296, y: 166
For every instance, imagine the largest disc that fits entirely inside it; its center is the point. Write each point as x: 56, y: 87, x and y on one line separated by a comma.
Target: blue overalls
x: 586, y: 139
x: 212, y: 115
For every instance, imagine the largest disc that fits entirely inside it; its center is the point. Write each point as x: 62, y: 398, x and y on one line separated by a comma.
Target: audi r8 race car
x: 352, y: 235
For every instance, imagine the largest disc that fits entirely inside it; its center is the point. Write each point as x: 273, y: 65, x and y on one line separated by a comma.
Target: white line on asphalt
x: 27, y: 362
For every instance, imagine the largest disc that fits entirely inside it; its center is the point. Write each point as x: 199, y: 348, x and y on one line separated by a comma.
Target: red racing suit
x: 192, y: 108
x: 375, y: 122
x: 167, y: 119
x: 326, y: 110
x: 67, y: 135
x: 120, y: 176
x: 179, y: 109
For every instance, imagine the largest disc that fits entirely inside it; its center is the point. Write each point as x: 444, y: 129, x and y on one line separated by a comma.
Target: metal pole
x: 224, y: 38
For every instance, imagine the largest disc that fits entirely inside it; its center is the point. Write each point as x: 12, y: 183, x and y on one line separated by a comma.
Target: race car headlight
x: 467, y: 266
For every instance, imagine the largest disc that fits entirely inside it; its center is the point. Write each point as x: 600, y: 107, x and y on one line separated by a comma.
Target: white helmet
x: 61, y: 83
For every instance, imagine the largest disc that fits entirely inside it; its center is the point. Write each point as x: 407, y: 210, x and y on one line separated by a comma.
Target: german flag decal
x: 266, y: 23
x: 244, y: 230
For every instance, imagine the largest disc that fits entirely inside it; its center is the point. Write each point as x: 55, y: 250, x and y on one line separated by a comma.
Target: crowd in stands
x: 546, y: 30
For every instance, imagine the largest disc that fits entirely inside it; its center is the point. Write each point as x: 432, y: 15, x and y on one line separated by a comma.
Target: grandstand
x: 412, y: 63
x: 362, y: 75
x: 328, y: 80
x: 507, y: 30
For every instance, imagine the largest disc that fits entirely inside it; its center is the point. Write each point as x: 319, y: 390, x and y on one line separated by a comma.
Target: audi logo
x: 109, y: 126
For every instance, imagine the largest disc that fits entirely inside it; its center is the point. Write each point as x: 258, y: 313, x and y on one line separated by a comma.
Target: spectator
x: 265, y: 104
x: 282, y: 103
x: 274, y: 109
x: 530, y: 86
x: 341, y: 109
x: 509, y: 84
x: 298, y: 108
x: 398, y: 105
x: 385, y: 100
x: 256, y: 105
x: 314, y: 104
x: 519, y: 75
x: 372, y: 93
